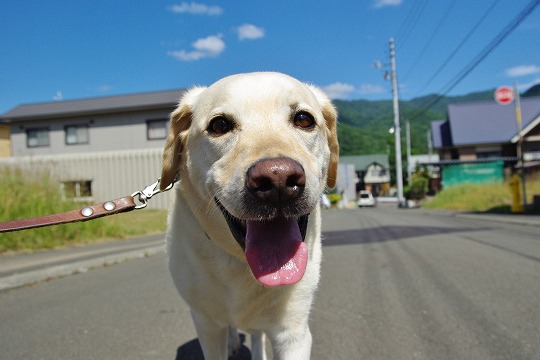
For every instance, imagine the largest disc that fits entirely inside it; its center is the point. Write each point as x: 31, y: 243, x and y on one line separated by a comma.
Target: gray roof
x: 488, y: 122
x: 117, y: 103
x: 361, y: 162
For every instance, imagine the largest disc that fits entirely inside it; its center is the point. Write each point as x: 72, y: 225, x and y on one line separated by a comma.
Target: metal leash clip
x: 148, y: 192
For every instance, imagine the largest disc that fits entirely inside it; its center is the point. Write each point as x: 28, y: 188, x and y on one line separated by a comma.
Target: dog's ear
x: 330, y: 116
x: 180, y: 123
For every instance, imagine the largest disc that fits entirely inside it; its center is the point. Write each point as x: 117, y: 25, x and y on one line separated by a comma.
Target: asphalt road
x: 396, y: 284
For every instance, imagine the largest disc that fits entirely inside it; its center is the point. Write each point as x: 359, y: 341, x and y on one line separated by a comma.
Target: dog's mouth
x: 274, y: 248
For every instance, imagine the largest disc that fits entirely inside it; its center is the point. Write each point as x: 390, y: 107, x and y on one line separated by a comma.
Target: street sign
x: 504, y: 95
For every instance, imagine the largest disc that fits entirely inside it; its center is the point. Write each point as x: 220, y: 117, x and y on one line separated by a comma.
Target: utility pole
x: 519, y: 123
x: 397, y: 129
x: 430, y: 151
x: 408, y: 141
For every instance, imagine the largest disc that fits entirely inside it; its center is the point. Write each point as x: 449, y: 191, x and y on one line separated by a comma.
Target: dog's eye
x: 219, y: 126
x: 304, y: 120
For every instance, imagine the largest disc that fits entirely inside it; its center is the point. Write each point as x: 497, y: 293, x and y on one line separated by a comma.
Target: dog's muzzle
x: 273, y: 233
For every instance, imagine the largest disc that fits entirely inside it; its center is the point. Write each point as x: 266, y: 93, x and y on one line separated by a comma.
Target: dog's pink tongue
x: 275, y: 251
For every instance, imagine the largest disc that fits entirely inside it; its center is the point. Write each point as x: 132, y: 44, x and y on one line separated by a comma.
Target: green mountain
x: 533, y: 91
x: 364, y: 125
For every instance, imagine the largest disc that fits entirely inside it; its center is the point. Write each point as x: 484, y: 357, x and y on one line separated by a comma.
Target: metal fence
x: 100, y: 176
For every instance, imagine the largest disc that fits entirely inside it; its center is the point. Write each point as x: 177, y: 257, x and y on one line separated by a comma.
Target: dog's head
x: 261, y: 147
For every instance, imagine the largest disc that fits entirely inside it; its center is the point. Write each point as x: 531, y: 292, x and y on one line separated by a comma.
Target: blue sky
x: 71, y: 49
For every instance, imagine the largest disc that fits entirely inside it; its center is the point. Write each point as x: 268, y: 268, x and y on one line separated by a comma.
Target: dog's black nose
x: 276, y: 181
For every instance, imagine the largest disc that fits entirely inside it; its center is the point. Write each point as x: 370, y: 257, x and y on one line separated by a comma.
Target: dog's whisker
x: 211, y: 207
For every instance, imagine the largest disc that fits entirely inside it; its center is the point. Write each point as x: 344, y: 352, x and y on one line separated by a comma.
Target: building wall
x: 445, y: 154
x: 531, y: 145
x: 467, y: 153
x: 5, y: 143
x: 112, y: 175
x: 346, y: 182
x: 109, y: 132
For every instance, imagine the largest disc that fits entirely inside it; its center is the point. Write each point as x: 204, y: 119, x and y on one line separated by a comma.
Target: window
x: 487, y: 154
x: 37, y: 137
x: 77, y: 134
x: 156, y: 129
x: 79, y: 190
x: 377, y: 170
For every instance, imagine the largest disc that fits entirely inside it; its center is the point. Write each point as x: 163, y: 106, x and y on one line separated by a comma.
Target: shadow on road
x: 192, y: 351
x: 385, y: 233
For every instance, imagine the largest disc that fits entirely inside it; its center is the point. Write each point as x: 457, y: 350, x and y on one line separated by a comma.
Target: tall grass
x: 482, y: 197
x: 32, y: 194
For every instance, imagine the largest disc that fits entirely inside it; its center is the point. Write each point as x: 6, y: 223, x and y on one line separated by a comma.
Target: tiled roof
x: 107, y: 104
x: 488, y: 122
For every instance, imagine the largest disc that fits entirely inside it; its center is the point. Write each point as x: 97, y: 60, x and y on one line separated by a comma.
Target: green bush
x: 33, y: 194
x: 418, y: 188
x: 334, y: 198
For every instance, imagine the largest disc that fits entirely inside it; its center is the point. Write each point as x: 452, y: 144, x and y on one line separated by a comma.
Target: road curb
x: 77, y: 267
x: 516, y: 219
x: 509, y: 219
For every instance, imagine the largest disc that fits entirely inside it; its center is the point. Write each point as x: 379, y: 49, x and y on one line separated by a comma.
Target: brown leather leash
x: 137, y: 200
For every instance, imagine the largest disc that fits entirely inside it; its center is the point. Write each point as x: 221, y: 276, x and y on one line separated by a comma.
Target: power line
x: 428, y: 43
x: 411, y: 20
x: 460, y: 45
x: 507, y: 30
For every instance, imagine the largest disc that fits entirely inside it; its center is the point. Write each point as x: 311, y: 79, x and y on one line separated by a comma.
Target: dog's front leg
x: 258, y: 351
x: 212, y: 337
x: 291, y: 344
x: 234, y: 343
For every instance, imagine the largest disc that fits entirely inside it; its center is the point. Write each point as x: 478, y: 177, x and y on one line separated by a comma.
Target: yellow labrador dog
x: 252, y: 153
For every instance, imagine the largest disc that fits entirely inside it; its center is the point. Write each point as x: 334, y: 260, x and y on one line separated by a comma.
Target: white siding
x: 107, y: 132
x: 113, y: 174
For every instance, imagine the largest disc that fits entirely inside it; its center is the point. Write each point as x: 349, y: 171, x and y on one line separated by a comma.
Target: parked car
x: 366, y: 199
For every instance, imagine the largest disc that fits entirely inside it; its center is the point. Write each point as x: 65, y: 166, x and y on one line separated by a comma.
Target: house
x: 483, y: 138
x: 373, y: 172
x: 98, y: 148
x: 484, y: 130
x: 111, y: 123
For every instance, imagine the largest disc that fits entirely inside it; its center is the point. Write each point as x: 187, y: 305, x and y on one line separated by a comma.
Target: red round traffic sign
x: 504, y: 95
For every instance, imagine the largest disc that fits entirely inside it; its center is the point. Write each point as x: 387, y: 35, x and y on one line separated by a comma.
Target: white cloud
x: 522, y: 70
x: 210, y: 46
x: 369, y: 89
x: 213, y: 45
x: 338, y: 90
x: 527, y: 86
x: 104, y: 88
x: 58, y: 96
x: 249, y: 32
x: 383, y: 3
x: 195, y: 8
